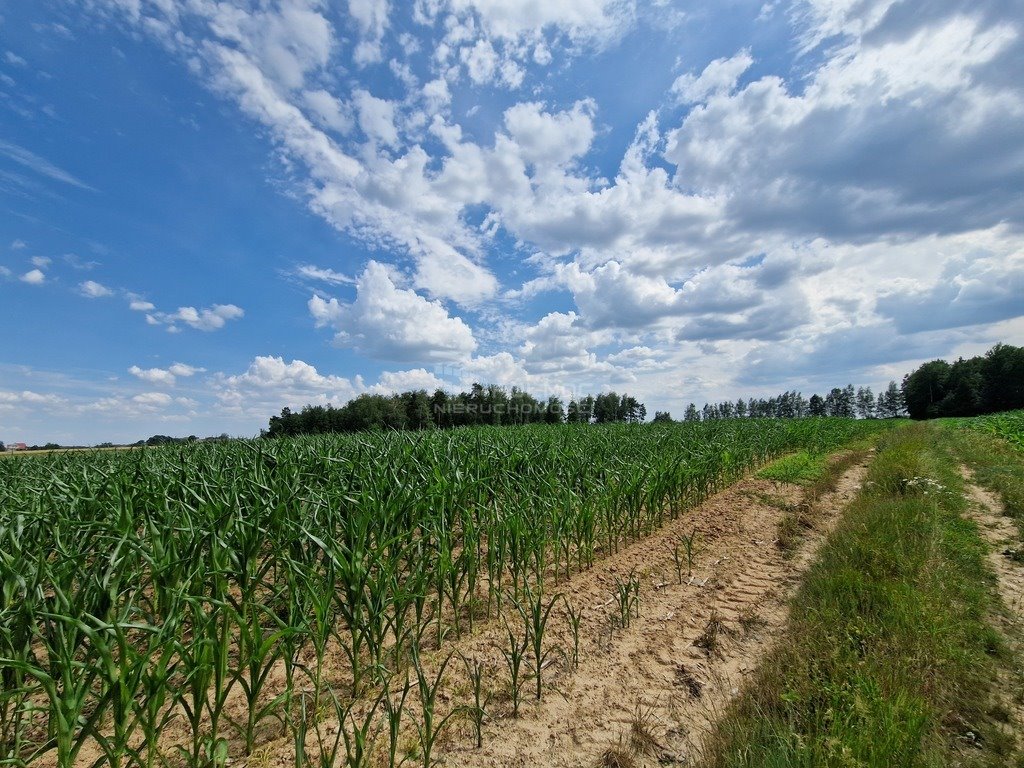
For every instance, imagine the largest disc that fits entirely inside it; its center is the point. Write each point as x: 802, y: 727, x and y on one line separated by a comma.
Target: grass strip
x: 888, y: 659
x: 996, y: 463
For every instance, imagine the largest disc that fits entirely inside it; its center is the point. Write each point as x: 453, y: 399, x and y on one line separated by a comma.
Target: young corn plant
x: 514, y: 654
x: 394, y: 709
x: 683, y: 554
x: 429, y: 725
x: 535, y: 612
x: 627, y: 597
x: 481, y: 700
x: 574, y: 616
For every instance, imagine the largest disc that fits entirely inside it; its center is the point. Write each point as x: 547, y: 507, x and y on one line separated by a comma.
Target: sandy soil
x: 1001, y: 533
x: 658, y: 685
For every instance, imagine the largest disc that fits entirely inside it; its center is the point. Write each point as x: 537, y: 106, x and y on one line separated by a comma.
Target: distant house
x: 19, y: 447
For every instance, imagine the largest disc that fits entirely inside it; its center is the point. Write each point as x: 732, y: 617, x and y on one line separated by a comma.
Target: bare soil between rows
x: 999, y: 531
x: 655, y: 688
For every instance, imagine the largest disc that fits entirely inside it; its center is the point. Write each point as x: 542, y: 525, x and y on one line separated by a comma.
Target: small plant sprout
x: 574, y: 616
x: 535, y: 614
x: 429, y: 726
x: 627, y: 596
x: 514, y: 654
x: 478, y: 709
x: 394, y: 706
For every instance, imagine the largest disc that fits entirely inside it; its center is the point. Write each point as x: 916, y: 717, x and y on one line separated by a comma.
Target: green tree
x: 1003, y: 378
x: 865, y: 403
x: 553, y: 411
x: 925, y: 388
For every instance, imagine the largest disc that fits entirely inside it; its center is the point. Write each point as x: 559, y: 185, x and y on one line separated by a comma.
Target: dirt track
x: 1001, y: 534
x: 649, y: 685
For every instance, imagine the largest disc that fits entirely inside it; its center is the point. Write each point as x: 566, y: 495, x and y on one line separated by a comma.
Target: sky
x: 213, y: 209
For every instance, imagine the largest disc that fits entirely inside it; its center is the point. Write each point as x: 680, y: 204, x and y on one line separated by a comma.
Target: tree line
x: 490, y: 405
x: 844, y: 402
x: 984, y: 384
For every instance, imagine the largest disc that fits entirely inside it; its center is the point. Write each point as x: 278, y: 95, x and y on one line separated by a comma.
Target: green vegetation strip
x: 800, y: 468
x: 889, y: 657
x: 993, y: 447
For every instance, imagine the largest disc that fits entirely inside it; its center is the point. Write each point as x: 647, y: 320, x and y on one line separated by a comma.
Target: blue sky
x: 213, y: 209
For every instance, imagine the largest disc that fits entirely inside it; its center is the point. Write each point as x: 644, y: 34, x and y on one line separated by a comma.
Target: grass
x: 818, y: 475
x: 996, y: 463
x: 798, y: 468
x: 889, y: 659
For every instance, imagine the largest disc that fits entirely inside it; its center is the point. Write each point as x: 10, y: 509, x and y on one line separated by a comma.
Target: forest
x: 987, y: 383
x: 481, y: 406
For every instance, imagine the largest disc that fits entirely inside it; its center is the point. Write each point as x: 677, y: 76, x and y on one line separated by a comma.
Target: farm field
x: 206, y: 604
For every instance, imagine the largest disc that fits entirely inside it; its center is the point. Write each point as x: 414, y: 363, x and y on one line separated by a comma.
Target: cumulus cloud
x: 720, y: 76
x: 183, y: 370
x: 376, y: 118
x: 973, y: 289
x: 270, y: 383
x: 886, y: 138
x: 753, y: 210
x: 153, y: 375
x: 34, y: 277
x: 93, y: 290
x: 405, y: 381
x: 165, y: 376
x: 371, y: 17
x: 393, y: 323
x: 206, y: 319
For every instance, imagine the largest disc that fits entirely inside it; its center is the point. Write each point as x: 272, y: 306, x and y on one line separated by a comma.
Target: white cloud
x: 312, y: 272
x: 720, y: 76
x: 376, y: 118
x: 153, y: 375
x: 93, y: 290
x: 12, y: 58
x: 270, y: 383
x: 550, y: 139
x: 207, y: 319
x: 138, y: 305
x: 153, y: 400
x: 405, y: 381
x: 481, y: 61
x: 593, y: 21
x: 372, y: 18
x: 329, y: 111
x: 40, y: 165
x: 165, y: 376
x: 27, y: 397
x: 40, y: 261
x: 393, y: 323
x: 34, y: 277
x: 183, y: 370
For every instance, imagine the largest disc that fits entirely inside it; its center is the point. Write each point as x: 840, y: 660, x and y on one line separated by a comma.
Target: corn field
x: 185, y: 605
x: 1008, y: 425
